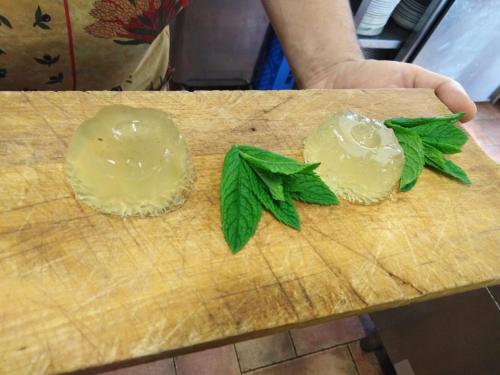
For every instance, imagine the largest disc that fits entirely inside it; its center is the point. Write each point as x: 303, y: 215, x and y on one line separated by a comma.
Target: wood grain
x: 79, y: 289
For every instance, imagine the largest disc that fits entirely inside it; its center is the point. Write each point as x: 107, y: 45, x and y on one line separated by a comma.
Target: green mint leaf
x: 272, y: 162
x: 286, y: 212
x: 283, y: 211
x: 434, y: 158
x: 443, y: 147
x: 274, y: 183
x: 413, y: 149
x: 452, y: 170
x: 240, y: 208
x: 456, y: 172
x: 408, y: 186
x: 417, y: 121
x: 310, y: 188
x: 439, y: 134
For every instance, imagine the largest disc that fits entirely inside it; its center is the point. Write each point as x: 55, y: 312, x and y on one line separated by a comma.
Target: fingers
x: 454, y: 96
x: 450, y: 92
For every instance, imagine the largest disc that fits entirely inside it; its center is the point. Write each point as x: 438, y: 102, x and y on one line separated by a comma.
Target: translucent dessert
x: 361, y: 159
x: 129, y: 161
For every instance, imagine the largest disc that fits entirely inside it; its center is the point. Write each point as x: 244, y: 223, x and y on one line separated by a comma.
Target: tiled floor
x: 329, y: 348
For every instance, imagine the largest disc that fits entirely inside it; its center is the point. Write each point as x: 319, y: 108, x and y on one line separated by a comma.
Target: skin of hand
x: 319, y: 40
x: 393, y: 74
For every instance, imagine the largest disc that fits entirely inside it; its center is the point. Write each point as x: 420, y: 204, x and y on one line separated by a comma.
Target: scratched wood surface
x: 79, y: 289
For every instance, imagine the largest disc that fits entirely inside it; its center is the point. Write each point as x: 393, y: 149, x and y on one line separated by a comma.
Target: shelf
x: 392, y: 37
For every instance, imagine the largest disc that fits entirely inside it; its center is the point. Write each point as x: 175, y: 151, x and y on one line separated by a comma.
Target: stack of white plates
x: 408, y: 13
x: 376, y: 16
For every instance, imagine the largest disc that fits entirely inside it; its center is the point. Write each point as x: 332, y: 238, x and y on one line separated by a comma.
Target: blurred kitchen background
x: 458, y: 38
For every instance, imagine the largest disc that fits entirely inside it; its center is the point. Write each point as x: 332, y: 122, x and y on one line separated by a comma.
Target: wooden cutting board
x: 79, y: 289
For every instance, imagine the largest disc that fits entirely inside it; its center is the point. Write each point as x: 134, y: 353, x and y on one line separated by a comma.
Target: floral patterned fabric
x: 85, y: 45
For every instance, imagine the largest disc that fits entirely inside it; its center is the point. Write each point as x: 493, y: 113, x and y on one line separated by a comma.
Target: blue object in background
x: 273, y: 71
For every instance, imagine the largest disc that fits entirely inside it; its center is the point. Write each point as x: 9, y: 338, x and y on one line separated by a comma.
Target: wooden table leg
x: 458, y: 334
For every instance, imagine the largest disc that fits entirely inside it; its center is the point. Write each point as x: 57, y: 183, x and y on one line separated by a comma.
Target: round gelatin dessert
x: 361, y: 159
x: 129, y: 161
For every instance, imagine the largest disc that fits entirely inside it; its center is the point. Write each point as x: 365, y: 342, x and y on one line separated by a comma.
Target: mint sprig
x: 254, y: 179
x: 424, y: 141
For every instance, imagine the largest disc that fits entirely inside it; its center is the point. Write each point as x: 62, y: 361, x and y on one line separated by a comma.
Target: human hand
x: 392, y: 74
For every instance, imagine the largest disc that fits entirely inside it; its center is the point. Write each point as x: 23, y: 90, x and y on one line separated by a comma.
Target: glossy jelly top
x: 129, y: 161
x: 361, y: 159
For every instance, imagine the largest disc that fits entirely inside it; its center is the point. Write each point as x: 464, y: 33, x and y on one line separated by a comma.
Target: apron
x: 85, y: 45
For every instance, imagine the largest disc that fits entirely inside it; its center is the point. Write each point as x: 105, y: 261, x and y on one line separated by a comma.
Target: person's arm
x: 314, y: 35
x: 319, y: 40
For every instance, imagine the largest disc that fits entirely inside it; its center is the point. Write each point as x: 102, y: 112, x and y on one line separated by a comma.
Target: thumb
x: 450, y: 92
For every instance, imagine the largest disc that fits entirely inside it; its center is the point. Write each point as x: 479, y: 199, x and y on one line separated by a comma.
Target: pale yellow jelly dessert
x: 129, y: 161
x: 361, y: 159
